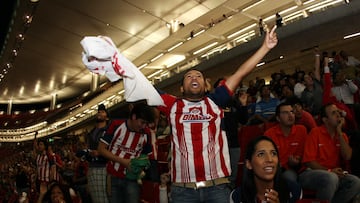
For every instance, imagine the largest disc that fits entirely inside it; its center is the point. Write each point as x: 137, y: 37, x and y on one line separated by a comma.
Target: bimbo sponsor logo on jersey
x: 195, y: 115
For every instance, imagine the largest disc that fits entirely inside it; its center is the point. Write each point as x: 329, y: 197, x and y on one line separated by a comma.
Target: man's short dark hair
x: 294, y: 100
x: 46, y: 143
x: 102, y: 107
x: 323, y: 108
x: 277, y: 111
x: 183, y: 77
x: 143, y: 111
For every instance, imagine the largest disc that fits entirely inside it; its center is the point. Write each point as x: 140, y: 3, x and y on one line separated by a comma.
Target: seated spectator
x: 302, y: 117
x: 344, y: 89
x: 265, y: 107
x: 261, y: 184
x: 287, y: 92
x: 348, y: 60
x: 326, y: 148
x: 252, y: 89
x: 328, y: 97
x: 290, y: 139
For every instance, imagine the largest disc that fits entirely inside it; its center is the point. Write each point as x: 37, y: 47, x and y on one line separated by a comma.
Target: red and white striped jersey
x: 55, y: 160
x: 123, y: 143
x: 199, y: 145
x: 43, y: 167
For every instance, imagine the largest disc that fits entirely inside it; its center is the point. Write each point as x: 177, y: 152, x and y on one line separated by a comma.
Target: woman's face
x: 264, y: 161
x: 57, y: 195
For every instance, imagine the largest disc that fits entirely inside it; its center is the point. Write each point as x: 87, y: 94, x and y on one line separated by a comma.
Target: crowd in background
x: 305, y: 90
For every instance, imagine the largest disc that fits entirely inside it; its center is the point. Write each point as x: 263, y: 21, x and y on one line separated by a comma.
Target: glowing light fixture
x: 241, y: 31
x: 142, y: 66
x: 174, y: 60
x: 175, y: 46
x: 252, y: 5
x: 352, y: 35
x: 156, y: 57
x: 206, y: 47
x: 155, y: 73
x: 260, y: 64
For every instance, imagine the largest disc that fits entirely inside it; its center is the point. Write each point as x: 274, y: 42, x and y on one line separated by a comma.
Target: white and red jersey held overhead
x: 43, y: 167
x: 199, y: 145
x: 124, y: 143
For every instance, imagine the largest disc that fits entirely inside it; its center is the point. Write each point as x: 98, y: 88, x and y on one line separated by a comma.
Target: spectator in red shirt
x: 56, y: 164
x: 290, y: 140
x: 42, y: 163
x: 302, y: 117
x: 326, y: 148
x: 126, y: 145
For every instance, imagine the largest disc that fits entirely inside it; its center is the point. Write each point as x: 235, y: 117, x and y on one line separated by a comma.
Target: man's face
x: 101, y: 116
x: 308, y: 80
x: 41, y: 146
x: 286, y: 91
x: 333, y: 116
x: 137, y: 124
x: 265, y: 92
x: 193, y: 85
x: 286, y: 116
x: 298, y: 111
x: 339, y: 78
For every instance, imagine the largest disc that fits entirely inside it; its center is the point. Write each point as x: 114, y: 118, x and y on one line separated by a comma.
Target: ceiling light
x: 252, y: 5
x: 287, y: 10
x: 21, y: 36
x: 21, y: 90
x: 51, y: 84
x: 156, y: 57
x: 322, y: 5
x: 121, y: 92
x: 153, y: 74
x: 310, y: 1
x: 242, y: 30
x: 110, y: 98
x: 260, y: 64
x: 174, y: 60
x: 198, y: 33
x: 204, y: 48
x: 352, y: 35
x: 291, y: 17
x: 28, y: 19
x: 175, y: 46
x: 142, y: 66
x: 245, y: 36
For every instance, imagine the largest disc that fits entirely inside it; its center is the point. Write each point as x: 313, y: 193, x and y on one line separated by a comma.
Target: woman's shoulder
x: 235, y: 195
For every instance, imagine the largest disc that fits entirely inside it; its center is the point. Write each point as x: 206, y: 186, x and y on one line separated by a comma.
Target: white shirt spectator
x: 298, y: 89
x: 345, y: 92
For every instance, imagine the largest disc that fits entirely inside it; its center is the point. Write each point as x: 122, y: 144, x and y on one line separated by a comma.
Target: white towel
x: 102, y: 57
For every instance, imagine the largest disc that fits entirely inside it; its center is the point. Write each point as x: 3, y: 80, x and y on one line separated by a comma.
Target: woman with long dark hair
x: 261, y: 180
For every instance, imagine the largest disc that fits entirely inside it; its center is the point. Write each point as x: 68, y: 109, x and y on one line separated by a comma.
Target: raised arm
x: 270, y: 42
x: 317, y: 74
